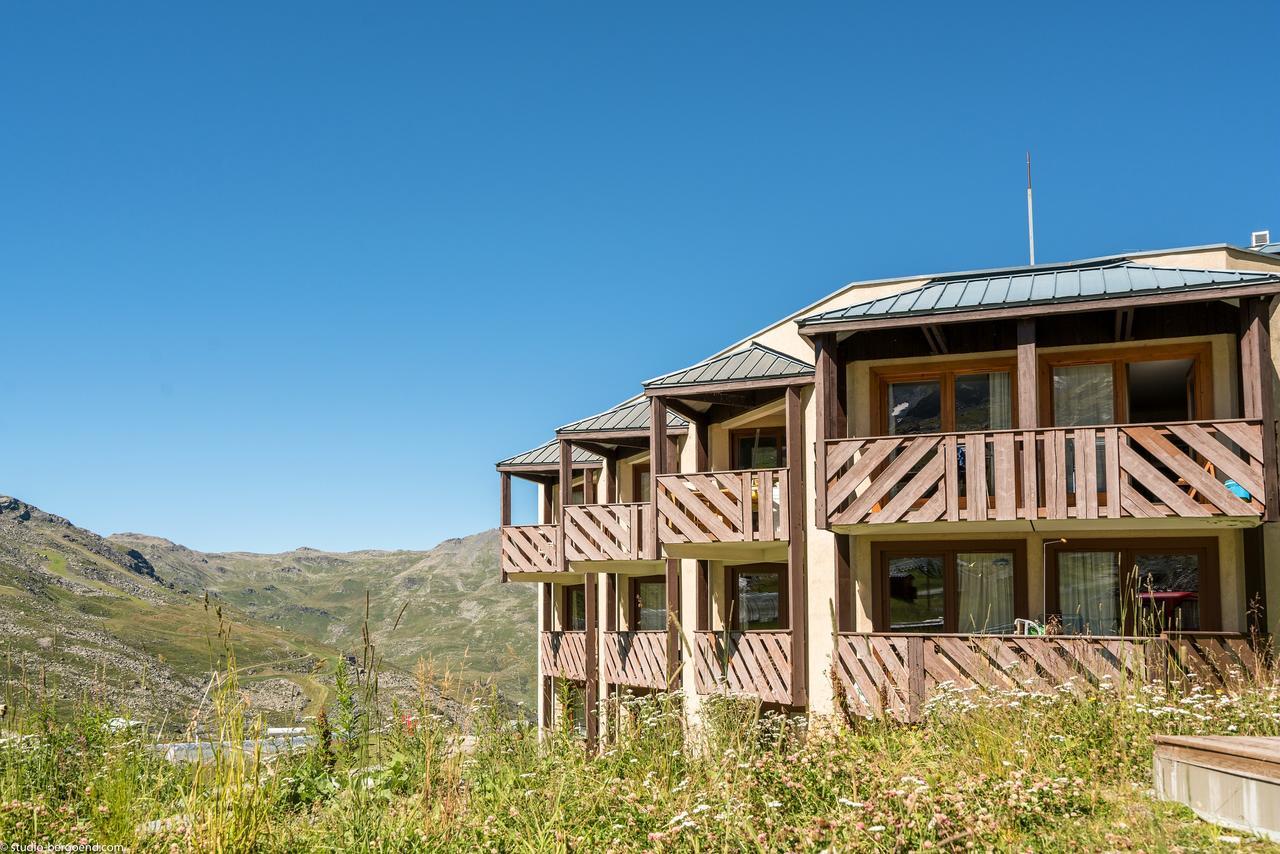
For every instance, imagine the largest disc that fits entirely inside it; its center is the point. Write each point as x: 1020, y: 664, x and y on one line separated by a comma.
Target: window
x: 964, y: 397
x: 640, y: 482
x: 1134, y: 587
x: 649, y: 603
x: 759, y: 448
x: 575, y: 608
x: 1151, y: 385
x: 758, y: 597
x: 976, y: 588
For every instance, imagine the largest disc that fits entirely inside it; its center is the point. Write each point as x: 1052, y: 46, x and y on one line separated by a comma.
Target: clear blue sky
x: 258, y: 258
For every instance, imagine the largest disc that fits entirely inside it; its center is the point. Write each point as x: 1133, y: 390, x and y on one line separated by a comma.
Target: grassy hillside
x: 134, y: 620
x: 449, y: 602
x: 80, y: 617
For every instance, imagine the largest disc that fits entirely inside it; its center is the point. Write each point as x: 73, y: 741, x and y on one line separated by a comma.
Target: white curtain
x: 1001, y: 406
x: 1083, y: 395
x: 1089, y: 592
x: 985, y: 592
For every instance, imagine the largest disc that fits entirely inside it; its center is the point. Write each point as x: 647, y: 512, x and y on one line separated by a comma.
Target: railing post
x: 504, y: 479
x: 915, y: 677
x: 1256, y: 370
x: 566, y: 493
x: 827, y: 401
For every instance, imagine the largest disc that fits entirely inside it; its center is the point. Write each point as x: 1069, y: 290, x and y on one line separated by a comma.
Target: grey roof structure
x: 549, y: 455
x: 1027, y: 286
x: 630, y: 416
x: 1267, y: 248
x: 753, y: 362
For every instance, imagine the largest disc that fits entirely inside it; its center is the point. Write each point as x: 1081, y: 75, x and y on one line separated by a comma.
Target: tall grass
x: 1007, y: 771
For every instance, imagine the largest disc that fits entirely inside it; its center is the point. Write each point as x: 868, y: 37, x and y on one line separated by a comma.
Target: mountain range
x: 134, y: 619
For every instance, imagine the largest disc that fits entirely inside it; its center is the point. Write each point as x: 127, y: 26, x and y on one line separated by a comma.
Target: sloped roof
x: 632, y: 415
x: 1028, y: 286
x: 754, y: 362
x: 549, y: 455
x: 1267, y: 248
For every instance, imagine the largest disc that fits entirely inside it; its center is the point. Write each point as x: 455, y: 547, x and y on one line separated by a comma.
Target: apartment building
x: 1010, y: 476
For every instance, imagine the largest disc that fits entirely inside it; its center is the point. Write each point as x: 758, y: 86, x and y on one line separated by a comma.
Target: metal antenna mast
x: 1031, y: 226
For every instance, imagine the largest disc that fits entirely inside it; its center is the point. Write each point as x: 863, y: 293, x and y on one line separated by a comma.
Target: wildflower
x: 773, y: 805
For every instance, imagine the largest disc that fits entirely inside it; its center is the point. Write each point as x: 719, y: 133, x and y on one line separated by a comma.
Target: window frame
x: 945, y: 374
x: 784, y: 594
x: 778, y: 432
x: 633, y: 589
x: 948, y: 549
x: 1200, y: 352
x: 1210, y: 593
x: 566, y: 611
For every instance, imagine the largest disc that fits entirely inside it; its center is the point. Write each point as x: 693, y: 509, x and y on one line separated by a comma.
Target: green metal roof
x: 1026, y: 286
x: 754, y: 362
x: 630, y: 416
x: 549, y: 455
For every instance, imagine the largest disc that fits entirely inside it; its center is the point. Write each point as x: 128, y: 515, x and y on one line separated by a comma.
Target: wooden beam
x: 796, y: 544
x: 1028, y: 413
x: 673, y: 621
x: 825, y: 391
x: 936, y: 339
x: 590, y: 700
x: 684, y: 410
x: 1257, y: 370
x: 657, y: 466
x: 566, y: 496
x: 505, y: 500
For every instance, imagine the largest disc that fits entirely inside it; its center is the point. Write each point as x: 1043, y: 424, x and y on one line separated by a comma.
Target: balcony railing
x: 723, y: 507
x: 600, y: 532
x: 636, y: 659
x: 529, y: 548
x: 564, y: 654
x: 751, y: 664
x: 895, y: 674
x: 1187, y: 469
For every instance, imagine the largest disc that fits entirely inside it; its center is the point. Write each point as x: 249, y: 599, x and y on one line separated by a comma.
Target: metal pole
x: 1031, y: 227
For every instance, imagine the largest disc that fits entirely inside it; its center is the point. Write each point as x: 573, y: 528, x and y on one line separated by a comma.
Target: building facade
x: 907, y: 482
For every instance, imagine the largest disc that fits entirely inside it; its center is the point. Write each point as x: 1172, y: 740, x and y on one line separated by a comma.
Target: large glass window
x: 1133, y: 588
x: 917, y: 595
x: 983, y: 402
x: 915, y: 407
x: 948, y: 402
x: 575, y: 608
x: 1084, y: 395
x: 984, y: 592
x: 759, y: 597
x: 649, y: 605
x: 759, y: 448
x: 948, y: 587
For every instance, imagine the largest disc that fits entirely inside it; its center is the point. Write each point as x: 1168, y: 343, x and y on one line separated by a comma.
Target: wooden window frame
x: 566, y: 612
x: 784, y: 595
x: 778, y: 432
x: 1201, y: 352
x: 947, y: 549
x: 640, y: 474
x: 945, y: 374
x: 1210, y: 600
x: 633, y: 591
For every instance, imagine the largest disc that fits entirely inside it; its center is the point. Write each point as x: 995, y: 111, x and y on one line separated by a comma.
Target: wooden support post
x: 702, y: 619
x: 673, y: 621
x: 588, y: 486
x: 796, y: 544
x: 699, y: 432
x: 1028, y: 387
x: 825, y: 392
x: 547, y: 712
x: 611, y: 602
x: 845, y: 621
x: 1255, y: 580
x: 915, y: 677
x: 592, y: 663
x: 504, y: 479
x: 566, y: 495
x: 611, y: 487
x: 1256, y: 372
x: 657, y: 466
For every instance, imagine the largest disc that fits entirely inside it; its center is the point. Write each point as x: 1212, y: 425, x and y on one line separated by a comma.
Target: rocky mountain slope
x: 134, y: 620
x: 446, y: 604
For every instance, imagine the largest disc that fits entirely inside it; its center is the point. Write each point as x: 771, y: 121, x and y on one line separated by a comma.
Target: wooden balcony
x: 604, y: 533
x: 636, y: 659
x: 745, y: 509
x: 895, y: 674
x: 528, y: 549
x: 745, y: 664
x: 564, y: 654
x: 1133, y: 471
